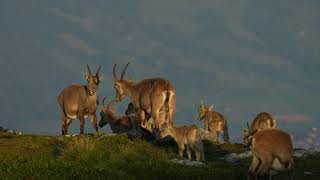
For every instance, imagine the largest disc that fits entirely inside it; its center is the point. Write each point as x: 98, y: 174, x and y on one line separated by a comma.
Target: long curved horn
x: 124, y: 71
x: 98, y: 71
x: 89, y: 71
x: 115, y: 77
x: 109, y: 105
x: 103, y: 106
x: 248, y: 126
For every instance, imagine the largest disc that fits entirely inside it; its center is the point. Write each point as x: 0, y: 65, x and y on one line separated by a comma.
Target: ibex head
x: 203, y: 110
x: 120, y: 85
x: 165, y: 131
x: 248, y: 134
x: 93, y: 81
x: 107, y: 113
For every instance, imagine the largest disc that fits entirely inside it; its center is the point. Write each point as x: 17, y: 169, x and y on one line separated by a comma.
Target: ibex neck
x: 129, y: 89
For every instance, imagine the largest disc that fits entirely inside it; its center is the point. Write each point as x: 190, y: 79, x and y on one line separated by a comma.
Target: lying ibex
x: 213, y: 122
x: 117, y: 124
x: 189, y: 137
x: 262, y: 121
x: 272, y: 150
x: 149, y: 97
x: 80, y: 101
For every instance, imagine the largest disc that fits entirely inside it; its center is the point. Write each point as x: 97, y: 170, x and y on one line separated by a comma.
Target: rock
x: 303, y: 152
x: 244, y: 155
x: 233, y: 157
x: 187, y: 162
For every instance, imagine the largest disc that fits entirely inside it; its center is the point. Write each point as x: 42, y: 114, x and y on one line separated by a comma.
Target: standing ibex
x: 272, y: 150
x: 213, y: 122
x: 189, y: 137
x: 80, y: 101
x: 262, y: 121
x: 149, y: 97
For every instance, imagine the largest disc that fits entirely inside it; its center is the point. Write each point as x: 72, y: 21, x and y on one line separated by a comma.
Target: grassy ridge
x: 117, y: 157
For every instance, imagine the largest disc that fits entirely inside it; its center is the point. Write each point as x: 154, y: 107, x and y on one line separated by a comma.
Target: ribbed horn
x: 89, y: 71
x: 248, y: 126
x: 103, y: 106
x: 98, y: 71
x: 115, y: 77
x: 124, y: 71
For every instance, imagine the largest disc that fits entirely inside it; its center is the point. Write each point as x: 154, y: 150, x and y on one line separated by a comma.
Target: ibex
x: 213, y: 122
x: 272, y: 150
x: 262, y: 121
x: 127, y: 124
x: 117, y: 124
x: 149, y: 97
x: 189, y: 137
x: 80, y: 101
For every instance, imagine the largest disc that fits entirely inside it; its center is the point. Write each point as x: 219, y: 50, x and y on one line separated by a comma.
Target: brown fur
x: 149, y: 97
x: 79, y: 101
x: 122, y: 124
x: 189, y: 137
x: 262, y: 121
x: 272, y: 149
x: 214, y: 122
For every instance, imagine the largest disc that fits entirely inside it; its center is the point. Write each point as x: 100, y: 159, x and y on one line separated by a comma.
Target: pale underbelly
x: 277, y: 166
x: 75, y: 116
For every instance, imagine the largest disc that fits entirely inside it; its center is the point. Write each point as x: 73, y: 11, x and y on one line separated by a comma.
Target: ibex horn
x: 98, y: 71
x: 115, y: 77
x: 124, y: 71
x: 103, y: 106
x: 202, y: 102
x: 89, y: 71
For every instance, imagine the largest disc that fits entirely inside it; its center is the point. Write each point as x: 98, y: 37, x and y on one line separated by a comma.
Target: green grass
x: 94, y: 157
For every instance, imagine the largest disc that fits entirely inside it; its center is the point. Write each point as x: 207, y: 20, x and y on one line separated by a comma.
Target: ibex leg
x: 82, y: 122
x: 94, y: 122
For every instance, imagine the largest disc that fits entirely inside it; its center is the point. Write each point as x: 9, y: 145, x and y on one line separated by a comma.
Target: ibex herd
x: 153, y: 104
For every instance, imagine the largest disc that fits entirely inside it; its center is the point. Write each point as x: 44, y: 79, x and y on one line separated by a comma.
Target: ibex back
x: 80, y: 101
x: 149, y: 97
x: 262, y: 121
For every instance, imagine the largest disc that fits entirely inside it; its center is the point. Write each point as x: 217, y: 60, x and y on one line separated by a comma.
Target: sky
x: 243, y: 56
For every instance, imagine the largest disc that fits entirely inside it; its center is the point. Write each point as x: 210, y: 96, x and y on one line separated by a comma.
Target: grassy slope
x: 46, y: 157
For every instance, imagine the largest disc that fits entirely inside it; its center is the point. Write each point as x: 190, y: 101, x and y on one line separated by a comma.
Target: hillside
x: 117, y: 157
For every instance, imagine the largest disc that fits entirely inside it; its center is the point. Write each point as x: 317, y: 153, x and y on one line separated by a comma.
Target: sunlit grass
x: 118, y: 157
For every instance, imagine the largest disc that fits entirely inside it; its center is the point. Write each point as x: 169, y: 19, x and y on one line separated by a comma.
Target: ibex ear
x: 211, y: 107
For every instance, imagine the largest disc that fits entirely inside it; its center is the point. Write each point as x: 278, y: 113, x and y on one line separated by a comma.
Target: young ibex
x: 189, y: 137
x: 149, y: 97
x: 213, y: 122
x: 272, y: 150
x: 262, y: 121
x: 80, y: 101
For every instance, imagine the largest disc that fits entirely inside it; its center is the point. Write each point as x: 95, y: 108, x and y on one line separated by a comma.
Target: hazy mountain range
x: 243, y: 56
